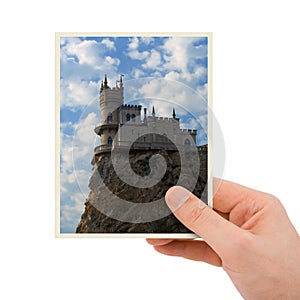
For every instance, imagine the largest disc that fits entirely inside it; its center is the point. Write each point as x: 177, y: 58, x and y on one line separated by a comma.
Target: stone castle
x: 146, y: 136
x: 114, y: 114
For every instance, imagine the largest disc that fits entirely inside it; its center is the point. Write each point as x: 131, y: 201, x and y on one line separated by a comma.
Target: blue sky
x: 163, y: 71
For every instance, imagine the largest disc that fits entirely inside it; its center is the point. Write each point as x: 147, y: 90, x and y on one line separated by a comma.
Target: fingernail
x: 176, y: 196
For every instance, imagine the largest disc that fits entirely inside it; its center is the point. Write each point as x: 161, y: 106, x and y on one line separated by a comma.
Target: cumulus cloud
x: 88, y: 52
x: 180, y: 59
x: 135, y: 54
x: 109, y: 44
x: 77, y: 92
x: 153, y: 61
x: 71, y: 212
x: 180, y: 52
x: 75, y: 168
x: 82, y: 62
x: 147, y: 40
x: 170, y: 91
x: 133, y: 51
x: 176, y: 58
x: 86, y: 59
x: 133, y: 43
x: 137, y: 73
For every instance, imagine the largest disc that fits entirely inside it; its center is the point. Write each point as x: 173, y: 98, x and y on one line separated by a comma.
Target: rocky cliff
x: 99, y: 220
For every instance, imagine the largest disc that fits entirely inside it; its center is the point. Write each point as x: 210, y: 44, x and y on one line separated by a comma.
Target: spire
x: 121, y: 80
x: 105, y: 81
x: 101, y: 86
x: 174, y: 114
x: 153, y: 111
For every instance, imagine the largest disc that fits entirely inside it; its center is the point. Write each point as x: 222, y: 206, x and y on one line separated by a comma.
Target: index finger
x: 228, y: 194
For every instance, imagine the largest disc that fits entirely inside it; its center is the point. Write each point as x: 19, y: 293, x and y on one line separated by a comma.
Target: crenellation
x: 116, y: 113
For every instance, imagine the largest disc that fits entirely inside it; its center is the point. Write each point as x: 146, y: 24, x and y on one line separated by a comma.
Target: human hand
x: 248, y: 233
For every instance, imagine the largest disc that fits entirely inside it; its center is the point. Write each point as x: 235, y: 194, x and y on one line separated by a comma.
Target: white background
x: 256, y: 100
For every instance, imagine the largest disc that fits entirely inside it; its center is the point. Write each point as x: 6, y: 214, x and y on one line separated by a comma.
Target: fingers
x: 159, y: 242
x: 198, y: 217
x: 194, y: 250
x: 228, y: 194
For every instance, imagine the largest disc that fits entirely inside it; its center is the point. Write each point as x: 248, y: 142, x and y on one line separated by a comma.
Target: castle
x: 152, y: 132
x: 129, y: 198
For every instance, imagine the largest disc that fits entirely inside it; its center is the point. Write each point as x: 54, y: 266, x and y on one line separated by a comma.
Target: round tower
x: 111, y: 99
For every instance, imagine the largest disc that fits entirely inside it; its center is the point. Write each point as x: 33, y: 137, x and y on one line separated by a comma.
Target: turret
x: 121, y: 80
x: 111, y: 99
x: 174, y: 114
x: 105, y: 82
x: 153, y: 111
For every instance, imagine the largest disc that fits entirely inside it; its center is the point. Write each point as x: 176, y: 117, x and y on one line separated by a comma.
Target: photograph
x: 134, y: 120
x: 150, y: 150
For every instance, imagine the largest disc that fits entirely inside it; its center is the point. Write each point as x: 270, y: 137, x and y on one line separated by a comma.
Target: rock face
x: 105, y: 185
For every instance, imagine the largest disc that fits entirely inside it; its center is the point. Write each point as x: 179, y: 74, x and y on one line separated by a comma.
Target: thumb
x: 219, y: 233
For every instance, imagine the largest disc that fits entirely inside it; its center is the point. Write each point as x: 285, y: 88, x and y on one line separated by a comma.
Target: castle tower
x: 111, y: 99
x: 115, y: 114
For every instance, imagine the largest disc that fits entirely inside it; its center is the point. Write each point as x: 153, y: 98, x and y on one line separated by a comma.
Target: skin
x: 248, y: 234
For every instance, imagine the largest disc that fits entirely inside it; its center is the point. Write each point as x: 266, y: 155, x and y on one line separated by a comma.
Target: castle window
x: 187, y: 142
x: 127, y: 117
x: 133, y: 117
x: 109, y: 141
x: 109, y: 118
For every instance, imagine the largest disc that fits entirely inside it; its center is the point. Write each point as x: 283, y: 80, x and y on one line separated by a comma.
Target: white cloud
x: 135, y: 54
x: 169, y: 93
x: 153, y: 61
x: 173, y: 75
x: 66, y: 151
x: 203, y: 91
x: 133, y: 43
x: 85, y: 128
x: 71, y: 212
x: 137, y: 73
x: 86, y: 51
x: 176, y: 59
x: 112, y: 61
x: 76, y: 155
x: 109, y: 44
x: 86, y: 55
x: 156, y: 74
x: 133, y: 51
x: 81, y: 62
x: 66, y: 40
x: 147, y: 40
x: 180, y: 51
x: 200, y: 72
x: 75, y: 92
x: 180, y: 55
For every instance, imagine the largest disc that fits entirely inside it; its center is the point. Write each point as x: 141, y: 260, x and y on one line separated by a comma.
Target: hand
x: 248, y: 233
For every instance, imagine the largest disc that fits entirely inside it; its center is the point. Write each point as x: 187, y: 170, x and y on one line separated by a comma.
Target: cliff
x: 97, y: 220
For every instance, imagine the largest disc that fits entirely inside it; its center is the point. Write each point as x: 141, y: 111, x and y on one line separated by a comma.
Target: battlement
x: 190, y: 131
x: 106, y: 87
x: 115, y: 87
x: 164, y: 119
x: 133, y: 106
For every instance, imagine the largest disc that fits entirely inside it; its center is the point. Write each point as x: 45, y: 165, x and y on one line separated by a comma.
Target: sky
x: 166, y: 72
